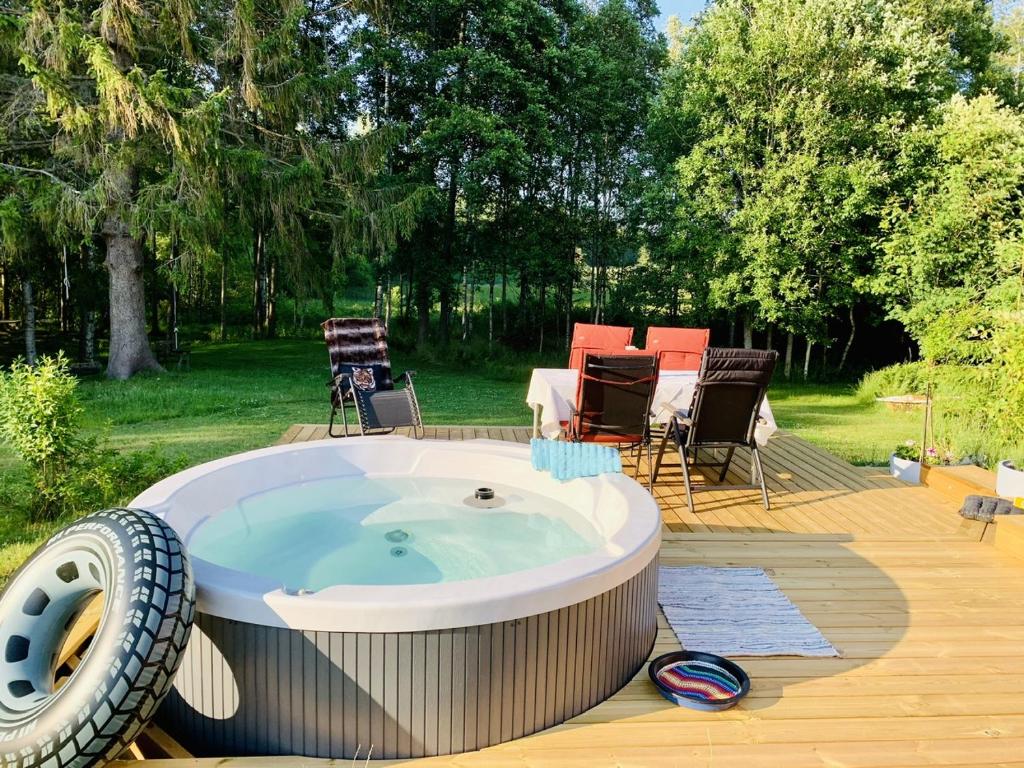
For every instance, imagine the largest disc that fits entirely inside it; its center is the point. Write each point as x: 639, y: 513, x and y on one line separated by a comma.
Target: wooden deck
x: 811, y: 490
x: 929, y: 621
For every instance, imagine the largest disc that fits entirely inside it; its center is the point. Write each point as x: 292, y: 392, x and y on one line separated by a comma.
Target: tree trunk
x: 172, y: 316
x: 465, y: 303
x: 788, y: 366
x: 593, y: 293
x: 732, y: 332
x: 448, y: 250
x: 504, y: 296
x: 423, y: 311
x: 559, y: 296
x: 748, y: 333
x: 223, y: 299
x: 328, y: 290
x: 387, y: 301
x: 378, y: 297
x: 524, y: 294
x: 490, y: 315
x: 154, y: 295
x: 5, y: 301
x: 271, y: 325
x: 129, y: 347
x: 540, y: 316
x: 257, y: 283
x: 445, y: 313
x: 769, y: 342
x: 29, y: 308
x: 62, y: 308
x: 568, y: 316
x: 807, y: 358
x: 849, y: 340
x: 89, y: 337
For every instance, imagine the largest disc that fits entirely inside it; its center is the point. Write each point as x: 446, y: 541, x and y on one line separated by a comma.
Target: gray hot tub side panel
x: 245, y: 689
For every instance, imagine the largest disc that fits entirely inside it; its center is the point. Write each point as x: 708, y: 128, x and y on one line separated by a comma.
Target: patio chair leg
x: 661, y: 451
x: 344, y: 418
x: 650, y: 468
x: 725, y: 466
x: 330, y: 425
x: 686, y: 478
x: 760, y: 476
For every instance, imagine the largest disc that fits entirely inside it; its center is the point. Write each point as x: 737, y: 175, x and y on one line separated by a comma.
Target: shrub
x: 112, y: 478
x: 978, y: 410
x: 40, y: 418
x: 67, y: 473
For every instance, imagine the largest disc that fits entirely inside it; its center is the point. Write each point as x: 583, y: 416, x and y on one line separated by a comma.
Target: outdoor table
x: 553, y: 390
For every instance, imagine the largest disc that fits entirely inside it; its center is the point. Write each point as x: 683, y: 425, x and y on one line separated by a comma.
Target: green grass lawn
x: 242, y: 396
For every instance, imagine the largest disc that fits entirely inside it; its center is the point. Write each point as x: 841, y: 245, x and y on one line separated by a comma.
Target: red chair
x: 613, y: 402
x: 681, y: 348
x: 610, y: 339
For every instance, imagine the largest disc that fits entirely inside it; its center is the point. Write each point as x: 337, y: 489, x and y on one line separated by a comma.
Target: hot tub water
x: 345, y: 530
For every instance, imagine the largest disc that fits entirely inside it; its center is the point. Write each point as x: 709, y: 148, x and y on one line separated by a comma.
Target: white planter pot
x: 1009, y: 481
x: 907, y: 470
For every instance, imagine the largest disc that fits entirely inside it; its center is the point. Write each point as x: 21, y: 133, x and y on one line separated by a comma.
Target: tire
x: 139, y: 565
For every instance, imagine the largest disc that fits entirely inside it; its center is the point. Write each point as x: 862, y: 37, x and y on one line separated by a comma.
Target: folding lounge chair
x: 681, y: 348
x: 608, y: 339
x: 361, y: 377
x: 730, y: 387
x: 613, y: 402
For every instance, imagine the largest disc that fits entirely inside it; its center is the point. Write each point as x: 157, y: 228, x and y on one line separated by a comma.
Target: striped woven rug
x: 735, y: 612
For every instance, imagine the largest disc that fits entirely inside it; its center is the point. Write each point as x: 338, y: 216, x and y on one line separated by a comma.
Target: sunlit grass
x: 833, y: 417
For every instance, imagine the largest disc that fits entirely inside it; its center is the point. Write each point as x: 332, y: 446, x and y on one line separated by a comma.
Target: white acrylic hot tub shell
x: 620, y: 509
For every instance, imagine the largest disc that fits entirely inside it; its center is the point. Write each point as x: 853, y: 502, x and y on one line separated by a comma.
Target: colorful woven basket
x: 699, y: 680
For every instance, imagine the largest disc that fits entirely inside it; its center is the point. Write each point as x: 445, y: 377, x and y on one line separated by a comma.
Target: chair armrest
x: 342, y: 384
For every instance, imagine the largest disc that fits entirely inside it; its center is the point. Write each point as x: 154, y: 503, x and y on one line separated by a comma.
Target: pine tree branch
x: 40, y: 171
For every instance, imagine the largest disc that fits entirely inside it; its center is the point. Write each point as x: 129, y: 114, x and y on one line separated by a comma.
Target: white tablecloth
x: 552, y: 391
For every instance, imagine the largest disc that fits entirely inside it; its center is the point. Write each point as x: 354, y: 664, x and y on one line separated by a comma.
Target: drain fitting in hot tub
x: 484, y: 498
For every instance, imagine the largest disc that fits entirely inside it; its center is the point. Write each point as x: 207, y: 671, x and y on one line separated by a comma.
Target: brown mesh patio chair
x: 613, y: 402
x: 726, y: 404
x: 361, y: 378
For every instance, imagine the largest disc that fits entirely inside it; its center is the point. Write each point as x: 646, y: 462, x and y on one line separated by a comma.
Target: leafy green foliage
x: 778, y: 124
x: 953, y: 269
x: 977, y: 408
x: 40, y: 418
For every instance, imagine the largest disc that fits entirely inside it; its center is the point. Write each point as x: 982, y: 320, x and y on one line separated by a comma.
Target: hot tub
x: 357, y: 598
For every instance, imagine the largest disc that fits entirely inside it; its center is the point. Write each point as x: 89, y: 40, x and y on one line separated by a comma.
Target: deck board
x: 929, y: 621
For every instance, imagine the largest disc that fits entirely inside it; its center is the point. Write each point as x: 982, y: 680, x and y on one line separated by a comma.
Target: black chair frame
x: 683, y: 430
x: 342, y: 383
x: 579, y: 425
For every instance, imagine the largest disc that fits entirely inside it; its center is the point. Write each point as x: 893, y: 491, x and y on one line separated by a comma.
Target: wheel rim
x: 39, y: 610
